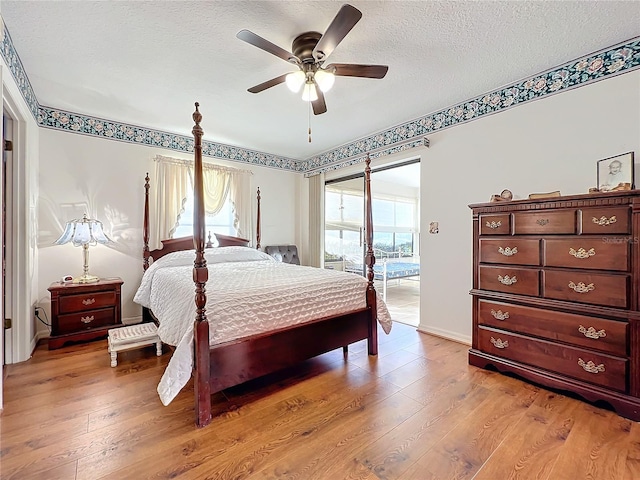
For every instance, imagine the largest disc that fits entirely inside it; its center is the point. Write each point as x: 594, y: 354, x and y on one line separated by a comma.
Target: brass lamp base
x: 86, y: 279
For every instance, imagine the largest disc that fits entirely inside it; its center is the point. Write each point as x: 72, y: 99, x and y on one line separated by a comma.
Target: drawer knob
x: 499, y: 315
x: 581, y: 287
x: 499, y: 343
x: 542, y: 221
x: 87, y: 319
x: 88, y: 301
x: 508, y: 251
x: 507, y: 280
x: 493, y: 225
x: 582, y: 253
x: 590, y: 366
x: 592, y: 332
x: 604, y: 221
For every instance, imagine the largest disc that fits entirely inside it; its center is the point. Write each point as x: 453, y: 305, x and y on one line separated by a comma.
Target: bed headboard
x: 283, y: 253
x: 229, y: 241
x: 186, y: 243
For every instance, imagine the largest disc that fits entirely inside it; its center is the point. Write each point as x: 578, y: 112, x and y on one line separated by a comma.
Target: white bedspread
x: 248, y: 292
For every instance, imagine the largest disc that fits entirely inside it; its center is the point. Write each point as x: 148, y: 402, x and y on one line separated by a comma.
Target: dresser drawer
x: 609, y: 336
x: 84, y: 301
x: 582, y: 364
x: 583, y: 286
x: 588, y: 252
x: 608, y: 220
x: 523, y: 281
x: 510, y: 250
x: 76, y: 322
x: 549, y: 222
x: 495, y: 224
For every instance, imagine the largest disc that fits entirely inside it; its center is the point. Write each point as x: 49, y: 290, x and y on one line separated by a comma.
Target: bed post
x: 201, y: 363
x: 258, y: 223
x: 145, y: 225
x: 370, y: 261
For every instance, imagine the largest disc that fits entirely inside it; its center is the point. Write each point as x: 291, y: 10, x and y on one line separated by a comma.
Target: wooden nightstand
x: 84, y: 311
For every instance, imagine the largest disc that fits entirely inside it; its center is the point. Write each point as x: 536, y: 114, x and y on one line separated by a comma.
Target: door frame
x: 22, y: 221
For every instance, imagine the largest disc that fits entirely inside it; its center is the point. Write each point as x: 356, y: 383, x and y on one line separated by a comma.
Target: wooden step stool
x: 133, y: 336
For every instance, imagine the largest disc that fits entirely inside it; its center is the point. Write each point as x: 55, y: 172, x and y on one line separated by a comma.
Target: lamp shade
x: 324, y: 79
x: 309, y: 93
x: 83, y: 231
x: 295, y: 80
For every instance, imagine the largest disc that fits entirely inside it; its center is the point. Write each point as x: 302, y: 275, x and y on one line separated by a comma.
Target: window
x: 222, y: 222
x: 395, y: 221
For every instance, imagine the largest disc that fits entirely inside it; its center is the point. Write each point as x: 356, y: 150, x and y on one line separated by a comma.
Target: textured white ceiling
x: 145, y: 63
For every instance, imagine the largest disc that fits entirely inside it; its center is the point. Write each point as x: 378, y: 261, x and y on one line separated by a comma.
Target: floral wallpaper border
x: 77, y: 123
x: 608, y: 62
x: 18, y: 72
x: 605, y: 63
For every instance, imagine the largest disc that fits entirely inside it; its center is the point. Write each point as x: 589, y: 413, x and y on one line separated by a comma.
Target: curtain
x: 216, y: 184
x: 242, y: 201
x: 173, y: 179
x: 316, y: 220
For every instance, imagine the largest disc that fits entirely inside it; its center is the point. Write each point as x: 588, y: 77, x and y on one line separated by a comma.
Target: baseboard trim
x: 132, y: 320
x: 449, y: 335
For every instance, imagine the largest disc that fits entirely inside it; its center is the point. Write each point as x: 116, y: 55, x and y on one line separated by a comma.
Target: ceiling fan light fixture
x: 309, y: 93
x: 324, y: 79
x: 295, y: 80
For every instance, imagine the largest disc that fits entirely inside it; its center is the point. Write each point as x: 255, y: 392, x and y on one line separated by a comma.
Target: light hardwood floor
x: 403, y: 300
x: 417, y: 411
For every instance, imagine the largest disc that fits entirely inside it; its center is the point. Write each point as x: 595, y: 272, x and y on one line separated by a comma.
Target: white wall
x: 105, y: 178
x: 546, y: 145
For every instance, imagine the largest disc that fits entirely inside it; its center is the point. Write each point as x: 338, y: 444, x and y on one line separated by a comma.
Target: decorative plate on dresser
x: 556, y: 296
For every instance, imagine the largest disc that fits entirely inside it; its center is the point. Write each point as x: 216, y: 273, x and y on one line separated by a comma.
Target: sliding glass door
x: 344, y: 224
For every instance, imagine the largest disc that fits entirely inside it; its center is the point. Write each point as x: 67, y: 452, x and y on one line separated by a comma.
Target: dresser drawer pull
x: 493, y: 225
x: 604, y: 221
x: 87, y: 319
x: 508, y: 251
x: 542, y: 222
x: 582, y: 253
x: 592, y: 332
x: 507, y: 280
x: 499, y: 343
x: 590, y: 366
x: 499, y: 315
x: 88, y: 301
x: 581, y: 287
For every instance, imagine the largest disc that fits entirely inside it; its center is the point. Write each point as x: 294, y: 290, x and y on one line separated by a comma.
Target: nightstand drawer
x: 85, y: 301
x: 75, y: 322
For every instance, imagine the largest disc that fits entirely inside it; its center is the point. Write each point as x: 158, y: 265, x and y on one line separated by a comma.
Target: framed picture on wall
x: 616, y: 173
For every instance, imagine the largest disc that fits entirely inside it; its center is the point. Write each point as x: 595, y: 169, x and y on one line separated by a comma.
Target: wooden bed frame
x: 234, y: 362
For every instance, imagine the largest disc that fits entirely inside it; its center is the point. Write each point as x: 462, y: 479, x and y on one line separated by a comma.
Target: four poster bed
x: 234, y: 345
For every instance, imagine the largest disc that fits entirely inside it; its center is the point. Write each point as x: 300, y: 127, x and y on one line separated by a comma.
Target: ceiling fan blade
x: 267, y: 46
x: 268, y: 84
x: 319, y: 105
x: 342, y: 24
x: 355, y: 70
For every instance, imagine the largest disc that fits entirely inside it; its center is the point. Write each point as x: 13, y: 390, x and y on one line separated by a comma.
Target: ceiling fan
x: 310, y: 52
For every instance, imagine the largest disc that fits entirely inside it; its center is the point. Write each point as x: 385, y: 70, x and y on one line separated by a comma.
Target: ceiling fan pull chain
x: 309, y: 121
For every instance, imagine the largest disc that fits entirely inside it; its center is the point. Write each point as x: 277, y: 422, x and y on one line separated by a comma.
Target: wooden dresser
x: 555, y: 294
x: 84, y: 311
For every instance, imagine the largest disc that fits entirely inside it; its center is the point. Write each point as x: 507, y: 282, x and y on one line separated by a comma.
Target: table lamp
x: 83, y: 232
